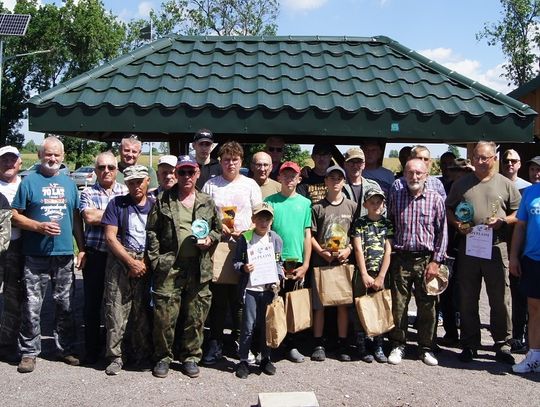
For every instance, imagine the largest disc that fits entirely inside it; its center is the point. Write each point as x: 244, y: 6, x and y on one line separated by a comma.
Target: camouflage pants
x: 11, y: 274
x: 180, y: 291
x: 407, y: 274
x: 124, y: 299
x: 37, y: 271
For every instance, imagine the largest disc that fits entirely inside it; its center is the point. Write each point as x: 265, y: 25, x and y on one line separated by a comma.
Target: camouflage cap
x: 370, y: 193
x: 135, y: 172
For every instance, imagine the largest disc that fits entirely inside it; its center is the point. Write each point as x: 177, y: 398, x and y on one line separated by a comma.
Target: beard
x: 51, y: 167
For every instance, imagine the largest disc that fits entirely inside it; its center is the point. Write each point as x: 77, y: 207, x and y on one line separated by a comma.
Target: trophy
x: 465, y: 213
x: 289, y: 265
x: 336, y: 239
x: 494, y: 206
x: 228, y: 213
x: 200, y: 230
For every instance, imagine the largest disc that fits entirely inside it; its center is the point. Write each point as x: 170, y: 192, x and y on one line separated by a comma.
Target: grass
x: 29, y: 159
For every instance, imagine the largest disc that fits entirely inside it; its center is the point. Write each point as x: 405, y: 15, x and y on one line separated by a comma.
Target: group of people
x: 145, y: 243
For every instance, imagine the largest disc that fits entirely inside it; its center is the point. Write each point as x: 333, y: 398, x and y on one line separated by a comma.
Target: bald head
x: 261, y: 167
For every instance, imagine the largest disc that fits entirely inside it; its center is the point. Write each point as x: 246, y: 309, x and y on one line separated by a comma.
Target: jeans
x: 254, y: 315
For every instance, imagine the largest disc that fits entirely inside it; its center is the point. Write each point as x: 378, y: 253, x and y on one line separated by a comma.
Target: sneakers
x: 516, y: 346
x: 214, y: 353
x: 161, y: 369
x: 295, y: 356
x: 467, y: 355
x: 379, y: 355
x: 504, y: 356
x: 428, y: 358
x: 190, y: 369
x: 318, y: 355
x: 527, y: 365
x: 114, y: 368
x: 242, y: 370
x: 71, y: 360
x: 365, y: 356
x: 27, y: 364
x: 268, y: 367
x: 251, y: 358
x: 396, y: 355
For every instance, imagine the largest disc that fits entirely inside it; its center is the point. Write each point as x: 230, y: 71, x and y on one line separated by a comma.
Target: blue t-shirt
x: 529, y: 211
x: 47, y: 199
x: 122, y: 209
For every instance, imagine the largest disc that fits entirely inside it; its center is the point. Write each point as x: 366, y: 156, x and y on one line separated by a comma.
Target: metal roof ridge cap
x: 501, y: 97
x: 285, y: 37
x: 100, y: 70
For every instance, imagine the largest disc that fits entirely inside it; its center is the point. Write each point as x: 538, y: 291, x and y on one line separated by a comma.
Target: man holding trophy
x: 480, y: 205
x: 181, y: 227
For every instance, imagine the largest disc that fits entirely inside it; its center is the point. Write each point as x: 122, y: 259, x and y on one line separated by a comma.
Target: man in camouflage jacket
x: 181, y: 268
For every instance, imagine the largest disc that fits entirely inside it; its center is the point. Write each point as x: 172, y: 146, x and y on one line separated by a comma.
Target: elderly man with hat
x: 203, y: 144
x: 166, y: 173
x: 182, y: 226
x: 127, y: 280
x: 357, y: 186
x: 11, y: 262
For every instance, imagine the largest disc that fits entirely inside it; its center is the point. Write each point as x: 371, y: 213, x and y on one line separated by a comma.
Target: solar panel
x: 14, y: 24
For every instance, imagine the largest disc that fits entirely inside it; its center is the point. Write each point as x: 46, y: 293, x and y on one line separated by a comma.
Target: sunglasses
x: 510, y: 161
x: 275, y: 149
x: 109, y: 167
x: 183, y: 173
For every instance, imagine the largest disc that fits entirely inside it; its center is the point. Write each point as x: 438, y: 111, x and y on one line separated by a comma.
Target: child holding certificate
x: 258, y: 259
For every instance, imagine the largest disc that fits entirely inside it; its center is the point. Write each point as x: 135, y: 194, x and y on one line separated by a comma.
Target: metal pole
x: 1, y: 77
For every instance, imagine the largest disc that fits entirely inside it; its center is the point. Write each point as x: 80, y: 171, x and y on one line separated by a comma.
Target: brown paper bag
x: 276, y: 323
x: 375, y: 312
x: 298, y: 309
x: 334, y: 284
x: 223, y: 256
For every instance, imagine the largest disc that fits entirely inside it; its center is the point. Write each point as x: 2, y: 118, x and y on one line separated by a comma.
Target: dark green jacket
x: 163, y: 250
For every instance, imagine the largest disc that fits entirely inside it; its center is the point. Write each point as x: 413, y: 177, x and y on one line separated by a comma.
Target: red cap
x: 290, y: 164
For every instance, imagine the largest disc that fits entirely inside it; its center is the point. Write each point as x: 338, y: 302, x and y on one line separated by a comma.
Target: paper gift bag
x: 334, y: 284
x: 223, y: 256
x: 375, y: 312
x: 298, y: 309
x: 276, y: 323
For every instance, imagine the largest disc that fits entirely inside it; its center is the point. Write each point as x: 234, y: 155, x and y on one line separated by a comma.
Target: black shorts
x: 529, y: 283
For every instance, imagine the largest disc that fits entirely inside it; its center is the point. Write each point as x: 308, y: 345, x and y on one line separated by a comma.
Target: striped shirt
x: 97, y: 197
x: 419, y: 222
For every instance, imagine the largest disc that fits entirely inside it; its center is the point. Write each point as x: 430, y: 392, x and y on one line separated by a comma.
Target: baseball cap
x: 322, y: 148
x: 534, y: 160
x: 462, y: 164
x: 203, y: 135
x: 263, y: 207
x: 354, y: 152
x: 291, y: 165
x: 438, y: 284
x: 335, y: 168
x: 9, y: 150
x: 167, y: 159
x: 373, y: 192
x: 186, y: 161
x: 135, y: 172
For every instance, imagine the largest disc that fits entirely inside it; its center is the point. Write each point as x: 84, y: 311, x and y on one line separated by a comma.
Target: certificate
x: 479, y: 242
x: 263, y: 257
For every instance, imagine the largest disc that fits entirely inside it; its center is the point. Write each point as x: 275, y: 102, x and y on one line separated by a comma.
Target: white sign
x: 479, y: 242
x: 263, y: 257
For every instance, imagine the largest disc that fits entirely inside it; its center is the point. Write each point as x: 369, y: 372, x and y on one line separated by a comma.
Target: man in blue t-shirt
x: 46, y: 209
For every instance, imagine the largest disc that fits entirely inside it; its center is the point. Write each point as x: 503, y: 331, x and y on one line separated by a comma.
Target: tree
x: 454, y: 150
x: 81, y: 35
x: 518, y: 35
x: 393, y: 154
x: 293, y: 152
x: 30, y: 147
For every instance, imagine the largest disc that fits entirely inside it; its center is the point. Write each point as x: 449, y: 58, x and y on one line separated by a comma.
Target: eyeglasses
x: 275, y: 149
x: 261, y: 165
x: 109, y: 167
x: 510, y: 161
x: 483, y: 159
x: 183, y: 173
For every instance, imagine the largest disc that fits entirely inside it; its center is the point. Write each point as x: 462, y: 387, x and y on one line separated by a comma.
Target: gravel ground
x: 483, y: 382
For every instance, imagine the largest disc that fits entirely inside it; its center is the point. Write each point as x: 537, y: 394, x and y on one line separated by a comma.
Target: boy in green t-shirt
x: 371, y: 239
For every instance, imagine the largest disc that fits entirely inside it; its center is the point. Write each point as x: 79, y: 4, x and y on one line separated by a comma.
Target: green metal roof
x: 304, y: 88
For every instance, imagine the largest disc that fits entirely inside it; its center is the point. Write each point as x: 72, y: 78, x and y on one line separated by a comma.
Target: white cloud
x: 471, y: 68
x: 144, y: 8
x: 302, y: 5
x: 9, y: 4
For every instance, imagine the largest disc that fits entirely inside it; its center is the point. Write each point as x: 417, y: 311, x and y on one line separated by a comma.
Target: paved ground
x: 483, y: 382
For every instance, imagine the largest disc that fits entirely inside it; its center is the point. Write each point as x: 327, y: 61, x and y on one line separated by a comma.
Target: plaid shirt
x: 419, y: 222
x: 97, y: 197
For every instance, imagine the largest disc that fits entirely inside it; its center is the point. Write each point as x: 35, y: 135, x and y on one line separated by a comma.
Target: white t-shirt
x: 9, y: 190
x: 243, y: 193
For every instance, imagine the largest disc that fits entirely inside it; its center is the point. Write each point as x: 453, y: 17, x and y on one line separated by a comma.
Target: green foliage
x: 30, y: 147
x: 81, y: 152
x: 454, y: 150
x: 293, y: 152
x: 518, y: 35
x: 435, y: 167
x: 393, y: 154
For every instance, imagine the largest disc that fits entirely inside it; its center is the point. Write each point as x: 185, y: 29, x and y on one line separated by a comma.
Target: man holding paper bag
x: 490, y: 200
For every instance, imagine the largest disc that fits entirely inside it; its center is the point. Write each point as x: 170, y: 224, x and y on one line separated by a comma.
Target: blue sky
x: 443, y: 30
